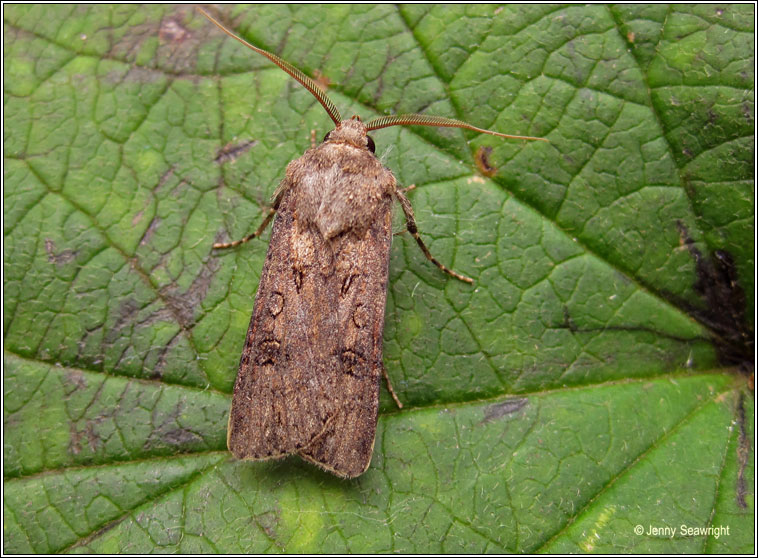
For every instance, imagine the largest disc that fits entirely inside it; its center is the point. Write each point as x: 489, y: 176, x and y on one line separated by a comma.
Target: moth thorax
x: 352, y: 132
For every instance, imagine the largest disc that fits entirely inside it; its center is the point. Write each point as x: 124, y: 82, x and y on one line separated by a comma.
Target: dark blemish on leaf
x: 84, y: 542
x: 60, y: 258
x: 89, y: 432
x: 268, y: 522
x: 177, y: 49
x: 183, y: 303
x: 747, y: 111
x: 179, y: 437
x: 231, y: 151
x: 75, y: 439
x: 481, y: 157
x: 731, y: 335
x: 167, y: 432
x: 74, y: 380
x: 126, y: 313
x: 150, y: 231
x: 724, y: 312
x: 171, y: 31
x: 137, y: 74
x: 138, y: 217
x: 164, y: 178
x: 92, y: 438
x: 321, y: 80
x: 499, y: 410
x: 179, y: 190
x: 157, y: 372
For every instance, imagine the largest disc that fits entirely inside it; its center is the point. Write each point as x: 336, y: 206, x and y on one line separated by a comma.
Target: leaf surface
x: 593, y: 380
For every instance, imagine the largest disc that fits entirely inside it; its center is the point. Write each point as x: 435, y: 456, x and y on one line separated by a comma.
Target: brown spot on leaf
x: 150, y: 231
x: 75, y: 439
x: 168, y: 432
x: 499, y: 410
x: 172, y: 30
x: 231, y: 151
x: 178, y: 45
x: 127, y: 311
x: 183, y: 303
x: 138, y: 217
x: 164, y: 178
x: 74, y: 380
x: 483, y: 163
x: 163, y: 356
x: 268, y: 522
x: 58, y: 258
x: 321, y: 80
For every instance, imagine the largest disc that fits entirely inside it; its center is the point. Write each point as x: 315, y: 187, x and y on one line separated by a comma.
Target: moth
x: 311, y: 367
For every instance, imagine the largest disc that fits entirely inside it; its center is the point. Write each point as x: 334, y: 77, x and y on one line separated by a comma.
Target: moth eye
x: 326, y: 137
x: 370, y: 144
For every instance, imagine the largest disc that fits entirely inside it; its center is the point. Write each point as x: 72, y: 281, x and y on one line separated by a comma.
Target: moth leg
x: 266, y: 221
x: 313, y: 139
x: 389, y: 388
x: 405, y: 191
x: 410, y: 225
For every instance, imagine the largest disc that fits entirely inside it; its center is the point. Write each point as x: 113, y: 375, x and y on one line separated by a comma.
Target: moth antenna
x: 304, y: 80
x: 426, y: 120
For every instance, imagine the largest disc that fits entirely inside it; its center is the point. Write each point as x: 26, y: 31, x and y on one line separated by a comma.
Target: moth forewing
x: 311, y: 367
x: 309, y: 376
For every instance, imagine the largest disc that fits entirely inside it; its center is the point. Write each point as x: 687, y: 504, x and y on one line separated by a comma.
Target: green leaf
x: 596, y: 379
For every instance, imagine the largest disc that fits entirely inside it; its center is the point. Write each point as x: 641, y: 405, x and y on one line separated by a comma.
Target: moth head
x: 351, y: 132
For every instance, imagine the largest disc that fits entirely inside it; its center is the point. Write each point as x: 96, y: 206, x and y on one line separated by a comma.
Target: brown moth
x: 310, y: 372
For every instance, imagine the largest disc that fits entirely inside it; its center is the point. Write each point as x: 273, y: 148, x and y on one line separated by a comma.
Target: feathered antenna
x: 440, y: 121
x: 301, y: 78
x: 376, y: 123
